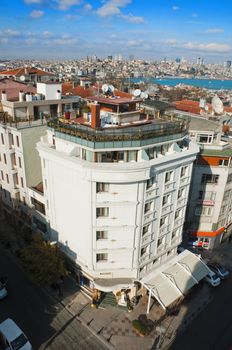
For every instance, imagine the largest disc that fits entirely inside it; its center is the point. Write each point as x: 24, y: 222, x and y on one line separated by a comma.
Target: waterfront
x: 213, y: 84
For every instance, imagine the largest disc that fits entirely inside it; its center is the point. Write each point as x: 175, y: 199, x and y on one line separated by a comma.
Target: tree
x: 42, y: 261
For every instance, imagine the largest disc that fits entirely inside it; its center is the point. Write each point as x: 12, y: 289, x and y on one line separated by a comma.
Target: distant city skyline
x: 72, y: 29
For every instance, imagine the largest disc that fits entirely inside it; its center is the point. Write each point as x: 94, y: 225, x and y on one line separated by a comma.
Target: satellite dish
x: 144, y: 95
x: 137, y: 93
x: 217, y: 105
x: 206, y: 108
x: 22, y: 78
x: 105, y: 88
x: 111, y: 88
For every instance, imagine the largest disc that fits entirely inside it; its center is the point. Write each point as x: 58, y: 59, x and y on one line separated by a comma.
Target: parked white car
x: 219, y: 270
x: 12, y: 337
x: 212, y: 279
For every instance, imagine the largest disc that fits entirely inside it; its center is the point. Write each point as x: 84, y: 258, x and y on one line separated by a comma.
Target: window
x: 4, y: 156
x: 2, y: 138
x: 132, y: 156
x: 101, y: 235
x: 174, y: 234
x: 168, y: 176
x: 102, y: 187
x: 163, y: 221
x: 229, y: 179
x: 102, y: 212
x: 143, y: 251
x: 150, y: 182
x: 13, y: 160
x: 38, y: 205
x: 17, y: 141
x: 2, y: 175
x: 146, y: 229
x: 178, y: 214
x: 22, y: 184
x: 207, y: 195
x: 102, y: 257
x: 166, y: 199
x: 209, y: 178
x: 180, y: 193
x: 204, y: 211
x: 160, y: 242
x: 147, y: 207
x: 11, y: 139
x: 183, y: 171
x: 7, y: 178
x: 20, y: 163
x: 223, y: 162
x: 83, y: 154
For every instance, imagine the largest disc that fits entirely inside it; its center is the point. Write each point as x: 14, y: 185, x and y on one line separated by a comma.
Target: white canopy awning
x: 173, y: 279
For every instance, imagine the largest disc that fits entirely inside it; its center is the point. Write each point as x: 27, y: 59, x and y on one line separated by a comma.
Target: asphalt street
x: 212, y: 329
x: 39, y: 315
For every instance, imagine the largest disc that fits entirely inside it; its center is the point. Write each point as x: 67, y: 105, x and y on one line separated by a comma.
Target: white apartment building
x: 209, y: 216
x: 116, y: 186
x: 22, y: 123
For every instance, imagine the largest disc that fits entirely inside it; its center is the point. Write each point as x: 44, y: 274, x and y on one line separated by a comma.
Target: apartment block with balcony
x: 209, y: 216
x: 116, y: 184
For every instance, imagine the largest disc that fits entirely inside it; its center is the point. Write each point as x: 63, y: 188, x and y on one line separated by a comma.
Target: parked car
x: 219, y: 270
x: 212, y: 279
x: 3, y: 290
x: 193, y: 242
x: 12, y: 337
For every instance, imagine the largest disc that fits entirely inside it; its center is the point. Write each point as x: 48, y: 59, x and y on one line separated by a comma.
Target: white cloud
x: 70, y: 17
x: 36, y: 14
x: 11, y: 32
x: 30, y: 41
x: 3, y: 40
x: 88, y: 7
x: 47, y: 34
x: 33, y: 1
x: 112, y: 7
x: 65, y: 40
x: 214, y: 30
x: 66, y: 4
x: 133, y: 19
x: 175, y: 8
x: 211, y: 47
x: 194, y: 15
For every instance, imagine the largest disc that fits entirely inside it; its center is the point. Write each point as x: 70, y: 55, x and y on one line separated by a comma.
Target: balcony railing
x: 129, y: 133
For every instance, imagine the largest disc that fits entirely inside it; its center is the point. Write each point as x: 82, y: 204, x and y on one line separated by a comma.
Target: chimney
x: 95, y: 116
x: 21, y: 96
x: 28, y: 97
x: 4, y: 96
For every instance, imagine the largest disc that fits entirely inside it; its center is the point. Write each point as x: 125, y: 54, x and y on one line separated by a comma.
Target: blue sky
x: 151, y: 29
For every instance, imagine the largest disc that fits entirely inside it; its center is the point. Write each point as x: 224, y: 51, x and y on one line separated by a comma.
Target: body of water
x: 214, y: 84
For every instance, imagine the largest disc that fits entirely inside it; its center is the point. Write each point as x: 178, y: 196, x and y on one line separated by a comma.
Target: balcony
x: 148, y: 237
x: 131, y: 135
x: 169, y: 186
x: 150, y: 216
x: 184, y: 181
x: 151, y: 192
x: 181, y: 202
x: 178, y: 222
x: 166, y: 209
x: 145, y: 257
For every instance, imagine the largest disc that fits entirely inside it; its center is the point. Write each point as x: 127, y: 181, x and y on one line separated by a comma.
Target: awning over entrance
x: 173, y: 279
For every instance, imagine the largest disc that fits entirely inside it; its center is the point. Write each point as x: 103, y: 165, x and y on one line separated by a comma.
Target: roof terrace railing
x: 126, y: 133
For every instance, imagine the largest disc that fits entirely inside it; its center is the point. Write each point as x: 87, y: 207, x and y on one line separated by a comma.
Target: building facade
x: 209, y: 216
x: 116, y: 186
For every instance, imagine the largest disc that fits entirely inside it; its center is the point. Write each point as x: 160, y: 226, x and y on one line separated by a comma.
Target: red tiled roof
x: 25, y: 71
x: 67, y: 88
x: 13, y: 88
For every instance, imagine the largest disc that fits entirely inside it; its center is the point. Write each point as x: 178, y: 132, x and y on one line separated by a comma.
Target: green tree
x: 42, y: 261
